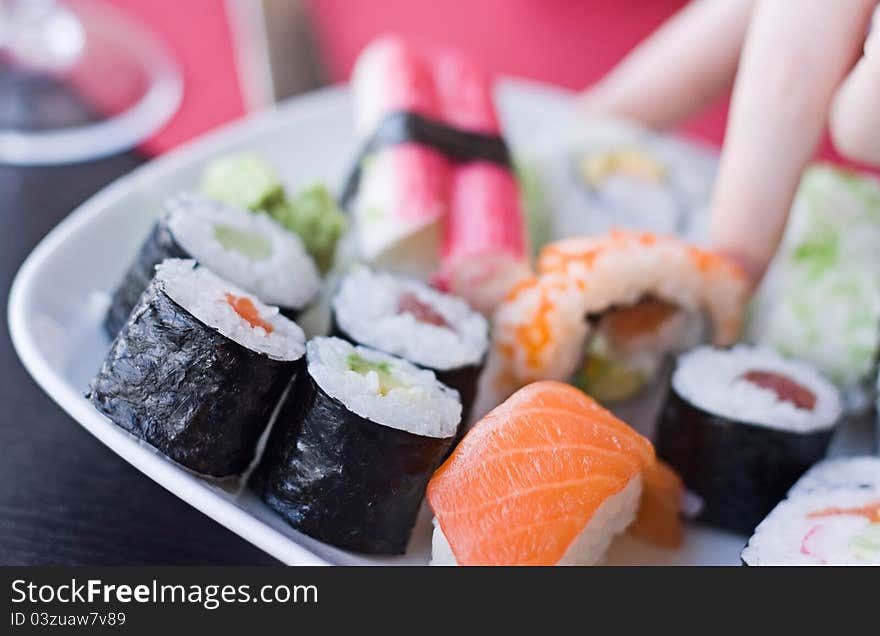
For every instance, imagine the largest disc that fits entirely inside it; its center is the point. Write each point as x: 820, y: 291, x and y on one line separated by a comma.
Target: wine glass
x: 79, y: 80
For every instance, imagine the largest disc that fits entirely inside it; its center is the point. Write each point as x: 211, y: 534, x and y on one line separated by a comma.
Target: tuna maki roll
x: 198, y: 369
x: 251, y: 250
x: 831, y: 517
x: 354, y: 445
x: 407, y: 318
x: 741, y: 426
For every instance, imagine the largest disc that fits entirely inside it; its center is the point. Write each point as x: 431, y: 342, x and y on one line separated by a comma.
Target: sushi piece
x: 604, y: 312
x: 615, y: 174
x: 407, y: 318
x: 741, y: 426
x: 820, y: 300
x: 851, y: 472
x: 198, y: 369
x: 400, y: 188
x: 546, y: 478
x: 485, y: 247
x: 354, y: 445
x: 246, y: 180
x: 250, y: 250
x: 839, y: 526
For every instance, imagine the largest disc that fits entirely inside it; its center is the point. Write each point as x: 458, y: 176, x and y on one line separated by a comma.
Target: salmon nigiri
x: 546, y: 478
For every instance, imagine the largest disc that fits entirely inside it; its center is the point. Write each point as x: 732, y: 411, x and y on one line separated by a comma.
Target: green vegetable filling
x: 315, y: 217
x: 608, y: 380
x: 866, y: 545
x: 243, y: 179
x: 250, y: 244
x: 248, y: 181
x: 387, y: 381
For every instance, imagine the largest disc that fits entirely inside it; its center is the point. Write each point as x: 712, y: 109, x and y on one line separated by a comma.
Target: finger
x: 794, y: 58
x: 854, y: 113
x: 689, y: 60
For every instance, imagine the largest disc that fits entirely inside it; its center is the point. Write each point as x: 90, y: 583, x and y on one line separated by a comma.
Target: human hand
x: 793, y: 63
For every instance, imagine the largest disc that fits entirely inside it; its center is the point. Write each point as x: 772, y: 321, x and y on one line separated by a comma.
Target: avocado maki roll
x: 354, y: 445
x: 251, y: 250
x: 741, y: 426
x: 407, y: 318
x: 198, y: 369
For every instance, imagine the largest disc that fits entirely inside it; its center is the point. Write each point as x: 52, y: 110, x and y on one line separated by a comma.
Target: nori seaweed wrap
x: 198, y: 369
x: 247, y: 248
x: 347, y: 479
x: 741, y: 426
x: 410, y: 319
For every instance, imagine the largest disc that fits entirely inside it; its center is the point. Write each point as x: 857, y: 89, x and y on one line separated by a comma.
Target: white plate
x: 60, y: 293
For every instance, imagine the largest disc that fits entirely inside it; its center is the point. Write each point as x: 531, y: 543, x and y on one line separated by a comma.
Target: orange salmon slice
x: 524, y: 483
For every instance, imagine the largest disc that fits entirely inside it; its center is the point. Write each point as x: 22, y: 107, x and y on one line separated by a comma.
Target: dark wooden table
x: 64, y: 497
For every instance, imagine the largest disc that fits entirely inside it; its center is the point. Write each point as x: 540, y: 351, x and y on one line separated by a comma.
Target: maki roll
x: 409, y: 319
x: 251, y: 250
x: 246, y: 180
x: 198, y: 369
x: 831, y: 517
x: 354, y: 445
x: 741, y: 426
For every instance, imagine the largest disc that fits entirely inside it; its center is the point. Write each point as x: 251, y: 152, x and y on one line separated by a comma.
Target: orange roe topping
x: 871, y: 512
x: 245, y: 308
x: 536, y: 335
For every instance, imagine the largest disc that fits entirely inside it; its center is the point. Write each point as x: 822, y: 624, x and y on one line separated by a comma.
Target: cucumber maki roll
x: 741, y: 426
x: 198, y: 369
x: 251, y: 250
x: 410, y: 319
x: 354, y: 445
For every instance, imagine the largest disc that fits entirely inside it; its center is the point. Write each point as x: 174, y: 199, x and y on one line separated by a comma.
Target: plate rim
x: 143, y: 457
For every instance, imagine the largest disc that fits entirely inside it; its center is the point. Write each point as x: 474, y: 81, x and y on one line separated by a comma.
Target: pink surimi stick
x: 403, y: 188
x: 484, y: 249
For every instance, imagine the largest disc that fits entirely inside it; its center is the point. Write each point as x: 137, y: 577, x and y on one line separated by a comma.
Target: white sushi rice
x: 366, y: 308
x: 611, y: 518
x: 848, y: 472
x: 711, y: 379
x: 203, y: 294
x: 793, y: 533
x: 421, y: 405
x: 286, y: 277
